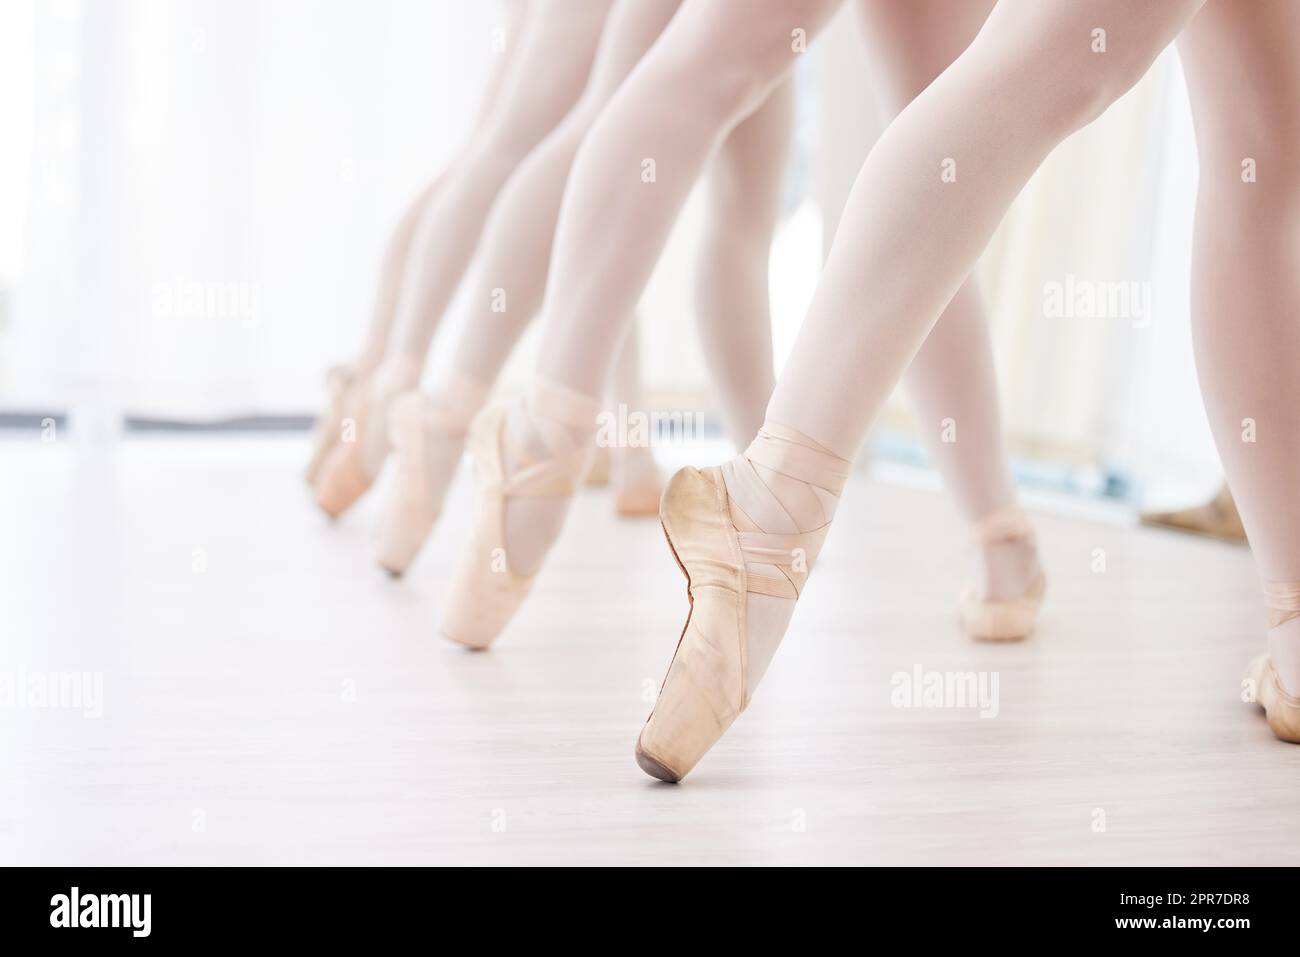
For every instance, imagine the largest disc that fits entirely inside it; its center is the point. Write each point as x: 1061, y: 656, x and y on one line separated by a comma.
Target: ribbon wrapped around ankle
x: 1283, y: 600
x: 566, y: 422
x: 787, y: 452
x: 791, y: 453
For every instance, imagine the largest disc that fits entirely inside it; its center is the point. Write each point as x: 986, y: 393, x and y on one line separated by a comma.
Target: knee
x: 720, y: 82
x: 1075, y: 71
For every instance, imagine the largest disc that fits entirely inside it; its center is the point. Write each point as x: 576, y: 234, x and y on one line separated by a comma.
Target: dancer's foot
x: 745, y: 536
x: 1217, y: 518
x: 427, y: 436
x: 352, y: 466
x: 329, y: 424
x: 1275, y: 677
x: 637, y: 487
x: 528, y: 457
x: 1004, y: 603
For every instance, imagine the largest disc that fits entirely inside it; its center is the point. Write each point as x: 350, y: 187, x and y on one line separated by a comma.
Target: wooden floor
x: 271, y: 697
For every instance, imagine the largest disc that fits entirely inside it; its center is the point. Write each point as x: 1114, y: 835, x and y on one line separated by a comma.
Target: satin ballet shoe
x: 427, y: 436
x: 329, y: 425
x: 714, y: 670
x: 485, y: 591
x: 1281, y: 708
x: 1011, y: 619
x: 411, y: 509
x: 343, y: 479
x: 352, y: 466
x: 1217, y: 518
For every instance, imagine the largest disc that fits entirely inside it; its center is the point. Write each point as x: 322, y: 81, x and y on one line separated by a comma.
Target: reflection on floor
x: 270, y: 696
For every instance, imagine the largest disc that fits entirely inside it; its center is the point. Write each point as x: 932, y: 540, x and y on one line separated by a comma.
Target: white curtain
x: 212, y: 182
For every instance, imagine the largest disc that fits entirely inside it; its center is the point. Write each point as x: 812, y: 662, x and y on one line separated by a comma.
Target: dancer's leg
x: 505, y: 286
x: 633, y: 474
x: 715, y: 63
x: 397, y: 255
x: 731, y: 276
x: 509, y: 275
x: 1242, y: 62
x: 951, y: 383
x: 909, y: 237
x: 910, y: 234
x: 713, y: 66
x: 553, y: 59
x: 393, y: 265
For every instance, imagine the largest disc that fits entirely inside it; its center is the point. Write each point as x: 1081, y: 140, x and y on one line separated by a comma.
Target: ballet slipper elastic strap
x: 1283, y: 602
x: 1007, y: 524
x: 791, y: 453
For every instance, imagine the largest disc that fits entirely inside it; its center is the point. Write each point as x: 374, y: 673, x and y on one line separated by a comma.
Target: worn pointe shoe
x: 411, y: 508
x: 1281, y: 708
x: 427, y: 436
x: 353, y: 465
x: 714, y: 670
x: 485, y: 591
x: 1217, y: 518
x: 329, y: 425
x: 1005, y: 619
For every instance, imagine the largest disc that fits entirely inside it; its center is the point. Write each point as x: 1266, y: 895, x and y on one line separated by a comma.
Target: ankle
x: 785, y: 488
x: 1284, y: 652
x: 551, y: 432
x: 455, y: 400
x: 550, y: 421
x: 1006, y: 570
x: 785, y: 481
x: 1007, y: 554
x: 394, y: 375
x: 1283, y: 598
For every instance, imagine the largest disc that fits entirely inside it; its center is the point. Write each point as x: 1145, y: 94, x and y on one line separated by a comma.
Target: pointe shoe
x: 329, y: 425
x: 1281, y: 708
x: 485, y: 591
x: 351, y: 467
x: 714, y: 671
x: 1003, y: 619
x: 343, y: 478
x: 1217, y: 518
x: 411, y: 509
